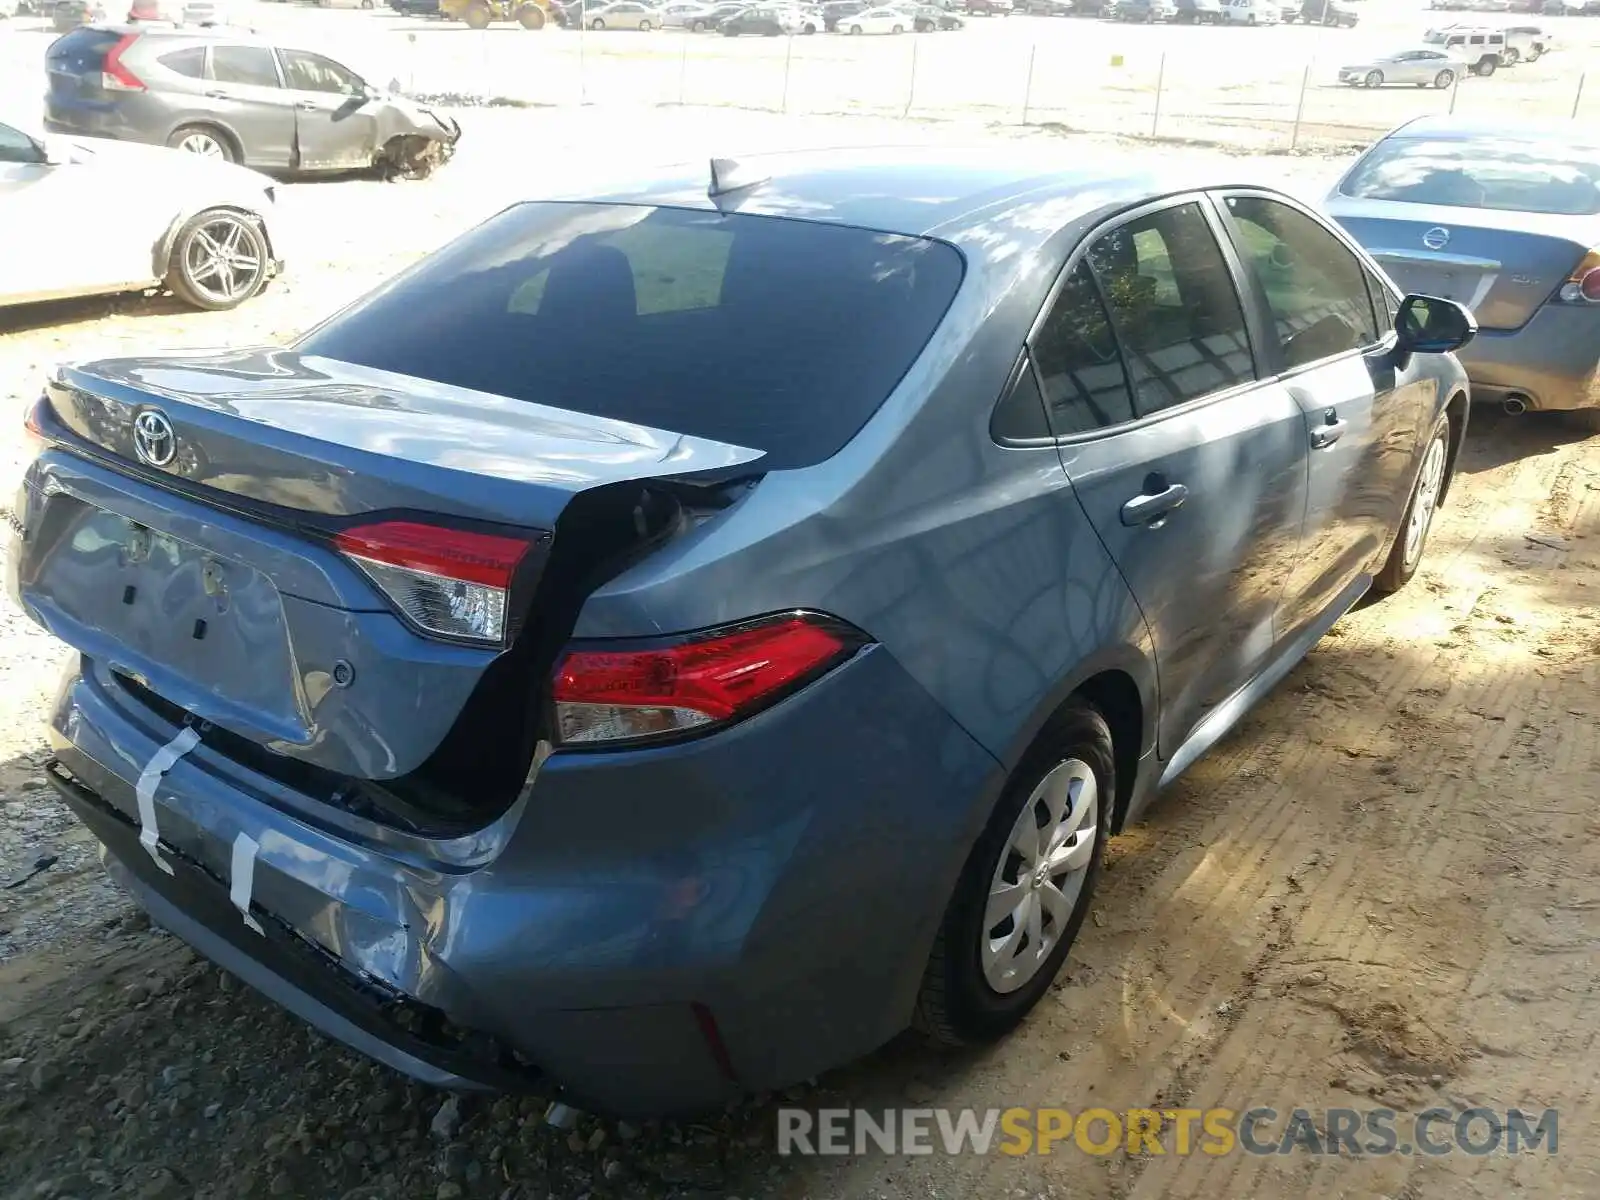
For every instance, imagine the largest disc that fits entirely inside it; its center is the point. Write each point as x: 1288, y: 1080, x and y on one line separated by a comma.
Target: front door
x: 1192, y: 472
x: 1362, y: 417
x: 335, y: 129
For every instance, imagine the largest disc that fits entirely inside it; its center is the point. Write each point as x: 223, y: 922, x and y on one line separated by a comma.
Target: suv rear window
x: 767, y: 332
x: 1558, y: 178
x: 81, y: 50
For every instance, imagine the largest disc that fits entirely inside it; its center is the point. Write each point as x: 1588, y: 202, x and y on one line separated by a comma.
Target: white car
x: 1252, y: 12
x: 685, y: 14
x: 876, y: 20
x: 88, y: 216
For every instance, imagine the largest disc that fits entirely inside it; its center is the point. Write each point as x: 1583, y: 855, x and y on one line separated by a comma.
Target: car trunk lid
x: 1502, y: 265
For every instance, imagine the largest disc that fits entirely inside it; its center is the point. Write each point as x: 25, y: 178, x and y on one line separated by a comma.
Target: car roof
x: 1464, y: 128
x: 967, y: 197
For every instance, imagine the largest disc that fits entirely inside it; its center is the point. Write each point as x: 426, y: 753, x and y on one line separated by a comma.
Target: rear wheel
x: 205, y: 140
x: 531, y: 16
x: 1026, y: 886
x: 219, y: 260
x: 1406, y: 554
x: 477, y: 16
x: 597, y: 23
x: 1486, y: 67
x: 1374, y: 79
x: 1444, y: 79
x: 1513, y: 56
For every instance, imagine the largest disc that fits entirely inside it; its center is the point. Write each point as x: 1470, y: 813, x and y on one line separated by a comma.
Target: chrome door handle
x: 1152, y: 508
x: 1325, y: 435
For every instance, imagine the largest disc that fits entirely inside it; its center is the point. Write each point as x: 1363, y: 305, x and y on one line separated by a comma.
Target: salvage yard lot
x: 1380, y: 890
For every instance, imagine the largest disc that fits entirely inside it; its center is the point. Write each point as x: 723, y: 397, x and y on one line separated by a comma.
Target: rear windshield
x: 777, y: 334
x: 1561, y: 179
x: 82, y: 49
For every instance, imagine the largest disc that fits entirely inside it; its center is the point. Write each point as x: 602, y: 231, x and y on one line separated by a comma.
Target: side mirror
x: 1431, y: 325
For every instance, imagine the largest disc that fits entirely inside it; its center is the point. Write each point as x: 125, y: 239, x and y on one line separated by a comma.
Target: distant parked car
x: 66, y: 15
x: 1198, y: 12
x: 833, y: 11
x: 1504, y: 217
x: 989, y: 8
x: 1484, y: 48
x: 241, y: 98
x: 876, y: 20
x: 206, y: 231
x: 1427, y: 67
x: 626, y: 14
x: 683, y: 14
x: 928, y: 18
x: 416, y: 8
x: 1050, y: 8
x: 1148, y: 11
x: 1252, y: 12
x: 1527, y: 43
x: 1337, y: 13
x: 763, y: 22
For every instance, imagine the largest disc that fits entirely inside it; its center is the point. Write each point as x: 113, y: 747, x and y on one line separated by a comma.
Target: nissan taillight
x: 1583, y: 285
x: 450, y: 582
x: 696, y: 683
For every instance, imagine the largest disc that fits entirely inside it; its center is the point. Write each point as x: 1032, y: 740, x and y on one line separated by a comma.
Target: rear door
x: 1362, y: 418
x: 335, y: 129
x: 247, y: 94
x: 1192, y: 471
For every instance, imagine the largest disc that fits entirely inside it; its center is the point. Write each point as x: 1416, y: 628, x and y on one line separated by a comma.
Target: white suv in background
x: 1483, y: 48
x: 1252, y: 12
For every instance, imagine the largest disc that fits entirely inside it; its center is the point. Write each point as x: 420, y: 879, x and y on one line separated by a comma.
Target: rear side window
x: 1079, y: 368
x: 1558, y: 178
x: 251, y: 65
x: 776, y: 334
x: 1174, y: 307
x: 190, y: 62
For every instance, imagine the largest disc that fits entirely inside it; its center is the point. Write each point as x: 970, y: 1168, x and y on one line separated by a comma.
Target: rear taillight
x: 444, y: 581
x: 114, y: 77
x: 1584, y: 282
x: 694, y: 684
x: 33, y: 429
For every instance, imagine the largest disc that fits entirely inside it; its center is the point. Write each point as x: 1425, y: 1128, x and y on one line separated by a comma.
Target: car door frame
x: 313, y: 103
x: 1404, y: 402
x: 255, y: 152
x: 1176, y: 746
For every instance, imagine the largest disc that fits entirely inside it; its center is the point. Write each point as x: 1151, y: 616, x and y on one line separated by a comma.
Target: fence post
x: 1578, y: 99
x: 583, y: 75
x: 1161, y: 75
x: 683, y: 64
x: 788, y: 59
x: 911, y: 88
x: 1027, y: 88
x: 1455, y: 88
x: 1300, y: 109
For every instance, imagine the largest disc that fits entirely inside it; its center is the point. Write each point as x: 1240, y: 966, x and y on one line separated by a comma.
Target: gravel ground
x: 1380, y: 889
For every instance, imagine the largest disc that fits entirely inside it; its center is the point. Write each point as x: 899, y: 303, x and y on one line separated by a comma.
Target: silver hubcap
x: 222, y: 259
x: 1427, y: 500
x: 1039, y: 876
x: 202, y: 144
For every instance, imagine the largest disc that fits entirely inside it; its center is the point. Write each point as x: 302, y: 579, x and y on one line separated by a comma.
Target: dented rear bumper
x: 653, y: 932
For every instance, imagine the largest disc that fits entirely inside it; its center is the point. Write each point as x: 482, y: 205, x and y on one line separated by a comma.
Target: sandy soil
x: 1381, y: 889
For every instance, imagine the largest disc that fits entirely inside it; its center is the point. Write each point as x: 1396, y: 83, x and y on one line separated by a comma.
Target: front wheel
x: 1486, y: 67
x: 477, y: 17
x: 1513, y: 56
x: 855, y: 29
x: 1444, y: 79
x: 531, y: 16
x: 644, y: 26
x: 1374, y: 79
x: 697, y: 27
x: 1026, y: 886
x: 219, y: 260
x: 597, y: 23
x: 898, y: 29
x: 1406, y: 554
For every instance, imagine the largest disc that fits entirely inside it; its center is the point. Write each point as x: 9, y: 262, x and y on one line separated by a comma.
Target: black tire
x: 185, y: 137
x: 477, y: 16
x: 1373, y: 79
x: 597, y: 23
x: 531, y: 16
x: 898, y: 29
x: 190, y: 285
x: 1397, y: 570
x: 1444, y: 79
x: 645, y: 26
x: 956, y: 1005
x: 697, y: 27
x: 1486, y: 67
x: 1513, y: 56
x: 854, y: 29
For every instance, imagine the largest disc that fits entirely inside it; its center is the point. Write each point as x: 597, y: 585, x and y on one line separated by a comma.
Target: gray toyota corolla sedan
x: 1504, y: 218
x: 673, y: 640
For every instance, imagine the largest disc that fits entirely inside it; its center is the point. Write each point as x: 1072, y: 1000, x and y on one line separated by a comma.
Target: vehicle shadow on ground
x: 1495, y: 438
x: 27, y: 318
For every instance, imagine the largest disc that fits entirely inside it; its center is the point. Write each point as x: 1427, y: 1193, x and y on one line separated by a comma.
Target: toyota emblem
x: 1436, y: 238
x: 154, y: 440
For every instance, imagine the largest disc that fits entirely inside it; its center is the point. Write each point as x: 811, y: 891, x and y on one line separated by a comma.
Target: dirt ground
x: 1380, y: 890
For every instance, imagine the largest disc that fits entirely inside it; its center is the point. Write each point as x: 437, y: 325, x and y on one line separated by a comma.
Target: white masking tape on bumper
x: 243, y: 875
x: 149, y: 779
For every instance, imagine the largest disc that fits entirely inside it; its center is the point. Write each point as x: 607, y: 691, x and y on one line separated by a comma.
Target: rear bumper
x: 131, y: 118
x: 1553, y: 360
x: 655, y: 931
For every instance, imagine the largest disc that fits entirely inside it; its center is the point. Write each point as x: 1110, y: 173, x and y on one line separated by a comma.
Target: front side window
x: 779, y: 335
x: 250, y: 65
x: 1173, y: 306
x: 17, y: 147
x: 1315, y: 287
x: 1080, y: 371
x: 313, y: 73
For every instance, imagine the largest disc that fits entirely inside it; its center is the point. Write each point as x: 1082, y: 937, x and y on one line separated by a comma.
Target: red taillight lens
x: 1589, y: 285
x: 32, y: 429
x: 1584, y: 282
x: 446, y: 581
x: 708, y: 679
x: 114, y: 77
